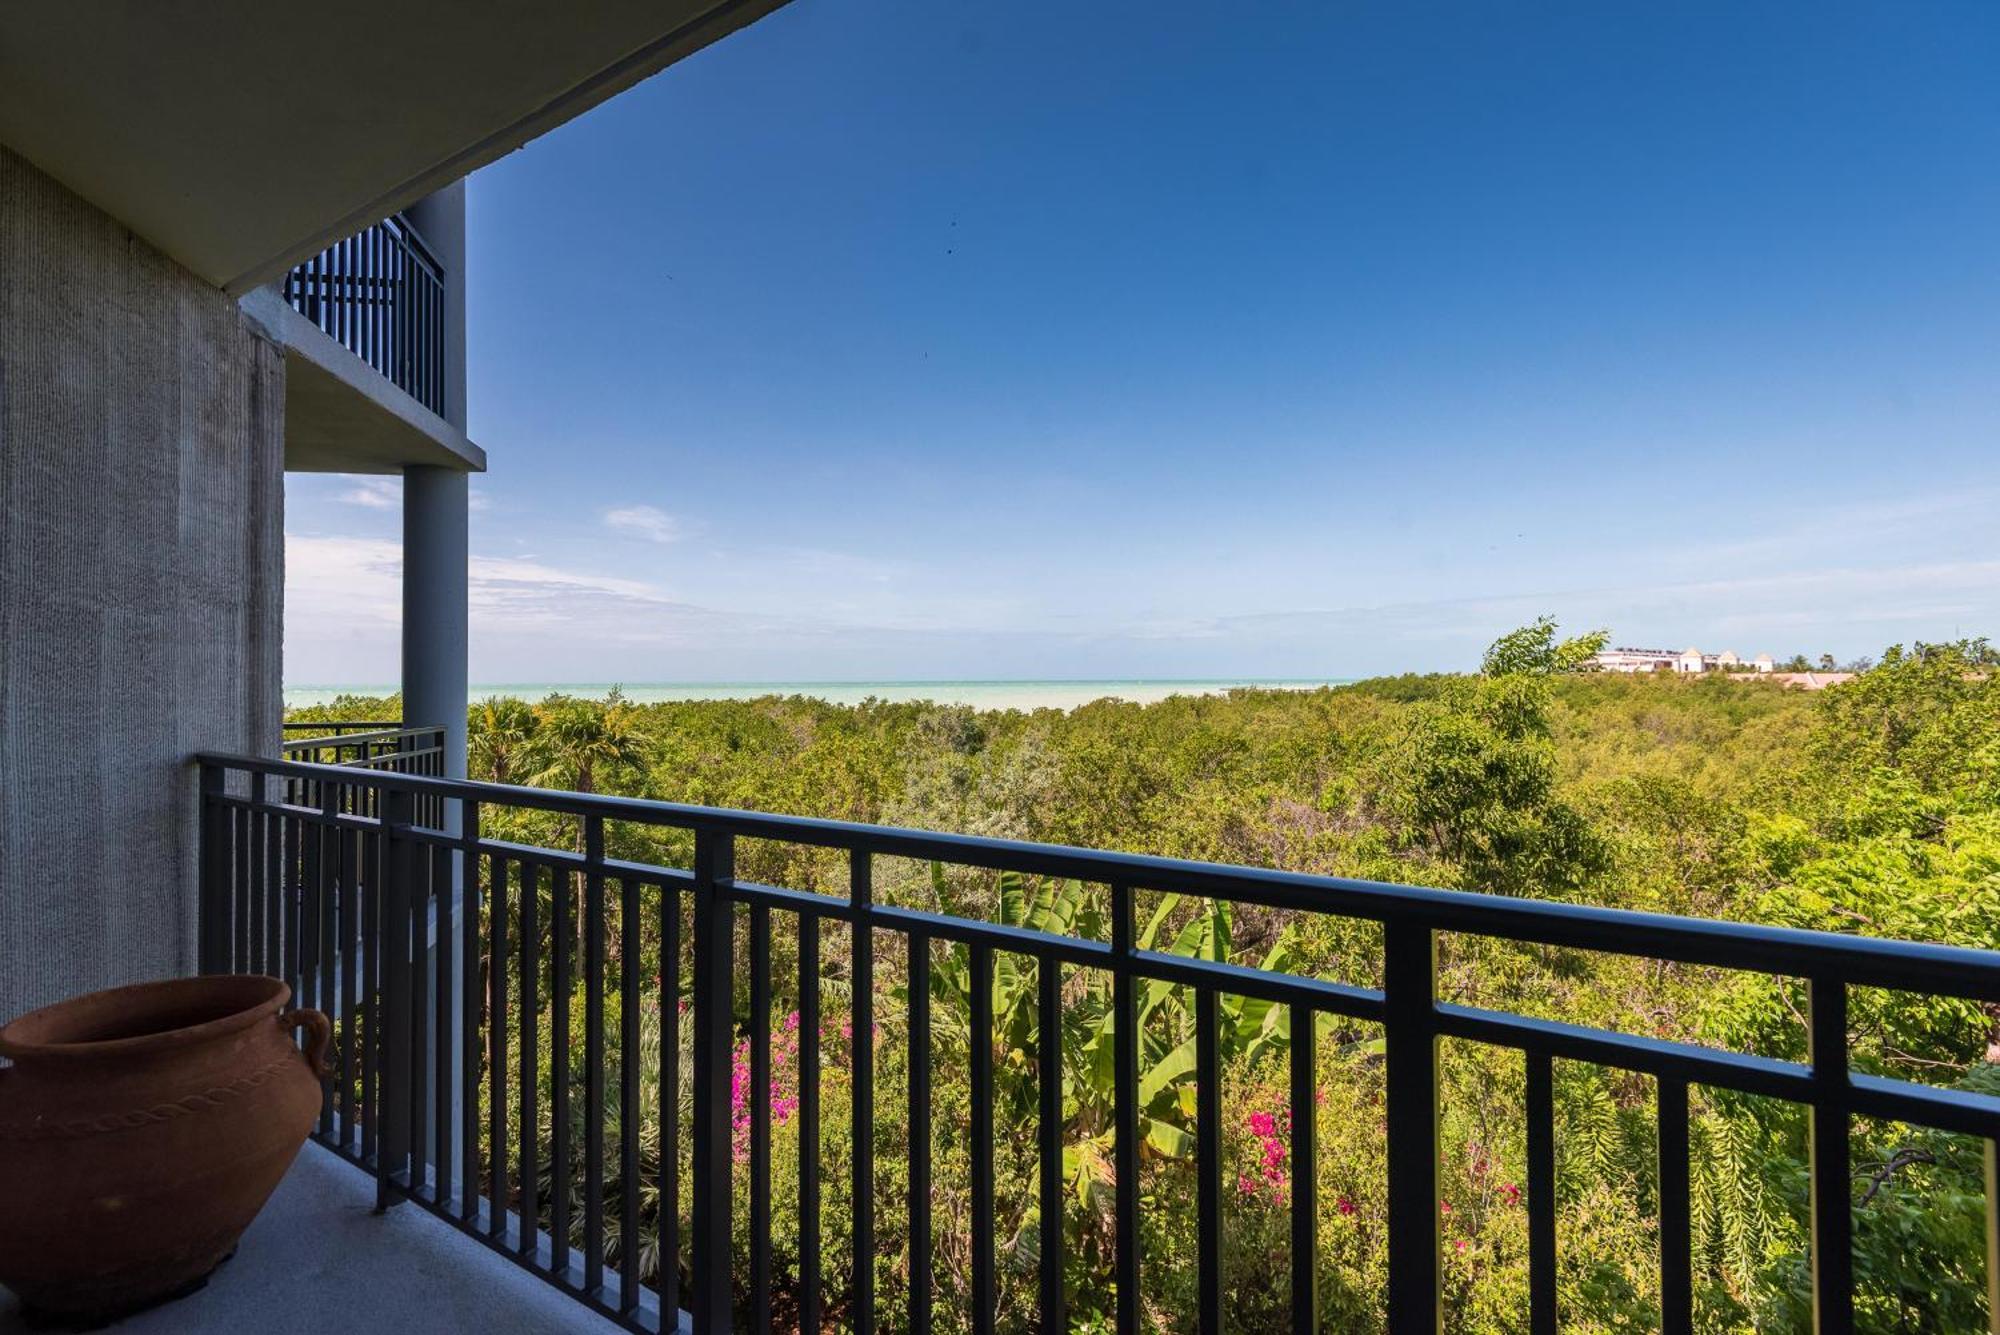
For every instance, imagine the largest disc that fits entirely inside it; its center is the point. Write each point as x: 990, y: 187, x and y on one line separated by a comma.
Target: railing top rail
x: 1789, y: 951
x: 329, y: 740
x: 407, y: 231
x: 370, y: 725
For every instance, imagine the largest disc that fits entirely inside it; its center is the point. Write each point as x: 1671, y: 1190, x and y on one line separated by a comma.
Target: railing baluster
x: 426, y: 336
x: 343, y: 307
x: 670, y: 1103
x: 427, y: 376
x: 261, y: 918
x: 314, y: 837
x: 760, y: 1117
x: 349, y: 1014
x: 1676, y: 1243
x: 593, y: 1055
x: 629, y: 969
x: 530, y: 1082
x: 1125, y: 1109
x: 357, y: 296
x: 981, y: 1149
x: 497, y: 1082
x: 470, y: 1001
x: 421, y: 342
x: 1305, y: 1171
x: 421, y: 904
x: 329, y: 262
x: 274, y: 884
x: 809, y: 1192
x: 378, y: 324
x: 1048, y: 1024
x: 334, y: 874
x: 257, y: 886
x: 1541, y: 1115
x: 356, y: 316
x: 444, y: 1027
x: 214, y: 889
x: 375, y: 849
x: 715, y: 1021
x: 292, y: 887
x: 434, y: 327
x: 1208, y: 1164
x: 243, y: 895
x: 400, y: 366
x: 920, y: 1133
x: 1831, y: 1159
x: 364, y: 287
x: 352, y: 306
x: 861, y: 894
x: 392, y: 1152
x: 1409, y: 986
x: 560, y: 1168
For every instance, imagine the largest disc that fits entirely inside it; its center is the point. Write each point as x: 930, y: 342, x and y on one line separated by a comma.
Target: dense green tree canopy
x: 1871, y: 807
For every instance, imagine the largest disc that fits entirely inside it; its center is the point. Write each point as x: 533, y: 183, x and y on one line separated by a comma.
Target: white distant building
x: 1627, y: 659
x: 1691, y: 662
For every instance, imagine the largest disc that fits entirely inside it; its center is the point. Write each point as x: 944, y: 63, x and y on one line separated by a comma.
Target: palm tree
x: 503, y: 734
x: 574, y: 742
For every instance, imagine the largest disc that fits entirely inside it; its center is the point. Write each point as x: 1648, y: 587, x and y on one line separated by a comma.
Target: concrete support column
x: 435, y: 549
x: 434, y: 606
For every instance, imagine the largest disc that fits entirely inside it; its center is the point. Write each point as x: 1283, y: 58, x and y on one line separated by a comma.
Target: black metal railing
x: 384, y: 746
x: 382, y: 920
x: 380, y: 294
x: 389, y: 748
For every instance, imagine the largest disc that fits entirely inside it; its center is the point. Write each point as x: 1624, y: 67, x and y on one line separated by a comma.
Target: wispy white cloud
x: 816, y: 614
x: 646, y: 521
x: 343, y: 610
x: 362, y: 579
x: 1755, y: 612
x: 1854, y: 526
x: 375, y: 493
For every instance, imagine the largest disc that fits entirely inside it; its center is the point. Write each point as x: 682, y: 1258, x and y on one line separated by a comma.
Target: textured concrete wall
x: 141, y: 582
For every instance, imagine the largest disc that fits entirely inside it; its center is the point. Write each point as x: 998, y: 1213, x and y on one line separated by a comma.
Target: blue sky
x: 920, y: 340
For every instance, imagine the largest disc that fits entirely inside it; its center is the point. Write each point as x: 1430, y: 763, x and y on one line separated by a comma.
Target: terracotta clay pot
x: 141, y: 1129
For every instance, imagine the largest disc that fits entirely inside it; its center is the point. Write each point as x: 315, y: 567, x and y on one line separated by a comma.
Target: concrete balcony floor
x: 319, y: 1259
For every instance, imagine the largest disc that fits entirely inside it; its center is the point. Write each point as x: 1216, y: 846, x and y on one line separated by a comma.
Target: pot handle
x: 320, y: 1036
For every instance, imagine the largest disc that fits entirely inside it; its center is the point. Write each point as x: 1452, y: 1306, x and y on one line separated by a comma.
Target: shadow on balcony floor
x: 318, y: 1259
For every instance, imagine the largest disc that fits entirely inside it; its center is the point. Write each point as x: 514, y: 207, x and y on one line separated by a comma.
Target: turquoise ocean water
x: 979, y: 694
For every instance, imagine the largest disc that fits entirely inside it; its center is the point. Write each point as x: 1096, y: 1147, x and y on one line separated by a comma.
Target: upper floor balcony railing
x: 380, y: 293
x: 602, y: 1147
x: 376, y: 745
x: 389, y: 748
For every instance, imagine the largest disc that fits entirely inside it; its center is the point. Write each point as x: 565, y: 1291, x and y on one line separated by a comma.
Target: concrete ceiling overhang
x: 242, y: 136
